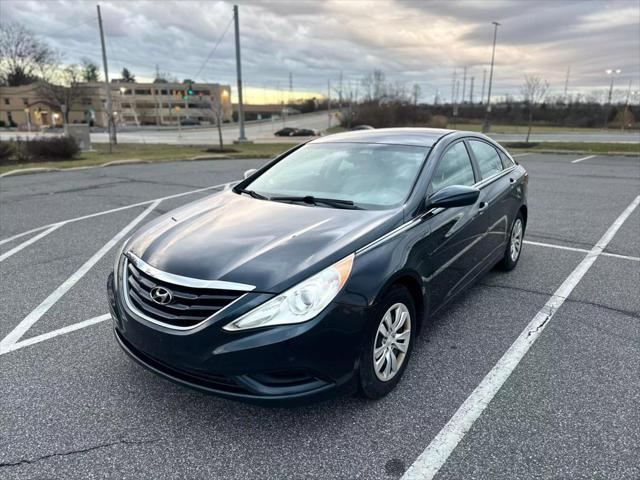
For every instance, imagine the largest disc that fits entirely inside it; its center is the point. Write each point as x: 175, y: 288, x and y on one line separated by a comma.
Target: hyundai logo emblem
x: 161, y: 295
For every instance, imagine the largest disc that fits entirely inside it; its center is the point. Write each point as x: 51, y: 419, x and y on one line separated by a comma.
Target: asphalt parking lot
x: 74, y: 406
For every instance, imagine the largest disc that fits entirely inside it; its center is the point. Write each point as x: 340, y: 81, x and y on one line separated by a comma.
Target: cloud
x: 412, y: 42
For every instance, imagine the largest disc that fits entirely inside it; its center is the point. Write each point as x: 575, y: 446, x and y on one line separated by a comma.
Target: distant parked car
x: 305, y: 132
x: 285, y: 132
x: 363, y: 127
x: 189, y: 121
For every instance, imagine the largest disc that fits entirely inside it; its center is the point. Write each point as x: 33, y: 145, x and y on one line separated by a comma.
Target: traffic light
x: 190, y: 89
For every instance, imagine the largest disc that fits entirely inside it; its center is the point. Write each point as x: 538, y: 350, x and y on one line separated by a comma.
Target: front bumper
x: 283, y: 365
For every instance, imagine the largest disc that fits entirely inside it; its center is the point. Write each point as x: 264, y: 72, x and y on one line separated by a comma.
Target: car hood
x: 270, y: 245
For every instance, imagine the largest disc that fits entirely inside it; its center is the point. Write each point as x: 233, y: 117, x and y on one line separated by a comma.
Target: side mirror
x: 250, y: 172
x: 453, y: 196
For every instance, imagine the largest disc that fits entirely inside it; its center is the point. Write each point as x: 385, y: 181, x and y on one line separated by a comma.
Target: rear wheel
x: 514, y: 246
x: 389, y: 343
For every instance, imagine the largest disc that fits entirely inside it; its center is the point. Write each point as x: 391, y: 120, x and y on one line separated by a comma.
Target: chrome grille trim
x: 186, y: 281
x: 126, y: 294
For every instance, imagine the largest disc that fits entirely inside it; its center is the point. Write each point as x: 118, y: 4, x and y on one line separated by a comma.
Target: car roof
x: 425, y: 137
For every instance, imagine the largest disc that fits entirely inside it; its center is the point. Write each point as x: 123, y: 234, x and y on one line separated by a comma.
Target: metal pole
x: 484, y: 81
x: 242, y: 137
x: 329, y: 103
x: 471, y: 91
x: 626, y: 105
x: 486, y: 126
x: 112, y: 128
x: 464, y: 84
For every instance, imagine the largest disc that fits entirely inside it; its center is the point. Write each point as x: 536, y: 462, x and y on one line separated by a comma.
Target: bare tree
x: 218, y: 113
x: 23, y: 57
x: 534, y: 91
x: 64, y: 96
x: 90, y: 70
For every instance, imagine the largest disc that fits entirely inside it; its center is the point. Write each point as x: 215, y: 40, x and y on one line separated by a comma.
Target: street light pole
x: 242, y: 137
x: 613, y: 72
x: 486, y: 125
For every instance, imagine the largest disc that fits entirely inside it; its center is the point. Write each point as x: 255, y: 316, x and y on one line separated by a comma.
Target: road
x: 263, y: 131
x: 75, y: 407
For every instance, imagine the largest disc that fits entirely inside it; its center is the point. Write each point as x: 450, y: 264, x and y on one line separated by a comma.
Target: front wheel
x: 389, y: 343
x: 514, y: 246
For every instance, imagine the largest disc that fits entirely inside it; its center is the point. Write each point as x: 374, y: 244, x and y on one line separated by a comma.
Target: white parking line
x: 581, y: 250
x: 438, y: 451
x: 41, y: 309
x: 583, y: 158
x: 34, y: 239
x: 113, y: 210
x: 55, y: 333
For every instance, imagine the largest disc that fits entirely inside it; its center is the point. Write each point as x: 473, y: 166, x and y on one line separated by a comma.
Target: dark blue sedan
x: 313, y: 275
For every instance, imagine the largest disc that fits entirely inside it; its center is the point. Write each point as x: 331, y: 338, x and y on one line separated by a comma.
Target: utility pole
x: 329, y: 103
x: 464, y: 84
x: 484, y: 80
x: 566, y: 85
x: 242, y: 137
x: 487, y: 125
x: 111, y: 126
x: 453, y: 88
x: 471, y: 91
x: 626, y: 106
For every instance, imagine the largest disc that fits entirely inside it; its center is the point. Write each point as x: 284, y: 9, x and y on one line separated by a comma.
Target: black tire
x: 508, y: 262
x: 371, y: 386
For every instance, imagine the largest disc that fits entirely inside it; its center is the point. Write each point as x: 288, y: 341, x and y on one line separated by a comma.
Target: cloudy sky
x: 313, y: 40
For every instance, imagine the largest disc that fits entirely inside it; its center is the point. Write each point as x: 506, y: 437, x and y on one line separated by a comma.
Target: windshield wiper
x: 252, y: 193
x: 310, y: 199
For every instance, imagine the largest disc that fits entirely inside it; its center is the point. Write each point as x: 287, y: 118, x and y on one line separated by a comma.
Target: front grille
x: 188, y: 306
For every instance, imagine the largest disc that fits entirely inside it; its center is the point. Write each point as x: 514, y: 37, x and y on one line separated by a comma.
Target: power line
x: 214, y: 48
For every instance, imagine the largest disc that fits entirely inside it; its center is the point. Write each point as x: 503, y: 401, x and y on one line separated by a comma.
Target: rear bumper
x: 284, y: 366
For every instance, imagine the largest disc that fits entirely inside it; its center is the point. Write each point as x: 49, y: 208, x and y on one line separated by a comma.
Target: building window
x: 86, y: 101
x: 143, y: 92
x: 6, y: 101
x: 25, y: 102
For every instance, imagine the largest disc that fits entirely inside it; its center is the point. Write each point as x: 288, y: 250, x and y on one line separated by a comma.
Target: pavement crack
x: 30, y: 461
x: 628, y: 313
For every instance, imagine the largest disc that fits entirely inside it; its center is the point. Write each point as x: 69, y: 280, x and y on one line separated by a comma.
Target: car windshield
x: 369, y: 175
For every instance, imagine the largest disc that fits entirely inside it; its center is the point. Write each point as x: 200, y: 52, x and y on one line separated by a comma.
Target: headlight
x: 300, y: 303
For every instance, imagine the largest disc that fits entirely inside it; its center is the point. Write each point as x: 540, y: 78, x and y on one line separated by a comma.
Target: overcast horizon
x: 411, y: 42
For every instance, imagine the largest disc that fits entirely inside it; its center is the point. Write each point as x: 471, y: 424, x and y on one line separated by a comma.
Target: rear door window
x: 487, y: 157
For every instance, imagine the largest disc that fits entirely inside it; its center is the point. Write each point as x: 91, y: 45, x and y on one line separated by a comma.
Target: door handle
x: 482, y: 206
x: 512, y: 180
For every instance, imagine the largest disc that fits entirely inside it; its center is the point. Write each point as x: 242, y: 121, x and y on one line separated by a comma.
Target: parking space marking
x: 41, y: 309
x: 583, y: 158
x: 113, y: 210
x: 55, y: 333
x: 581, y: 250
x: 32, y: 240
x: 438, y: 451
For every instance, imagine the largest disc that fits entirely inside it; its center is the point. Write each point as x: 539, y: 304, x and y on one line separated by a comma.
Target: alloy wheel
x: 515, y: 244
x: 391, y: 342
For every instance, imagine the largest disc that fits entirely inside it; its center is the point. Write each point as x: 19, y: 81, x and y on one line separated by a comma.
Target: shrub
x: 53, y: 148
x: 6, y: 151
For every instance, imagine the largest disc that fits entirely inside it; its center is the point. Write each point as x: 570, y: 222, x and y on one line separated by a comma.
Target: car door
x: 454, y: 245
x: 496, y: 186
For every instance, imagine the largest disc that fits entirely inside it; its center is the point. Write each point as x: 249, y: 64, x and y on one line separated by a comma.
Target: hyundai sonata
x: 313, y: 275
